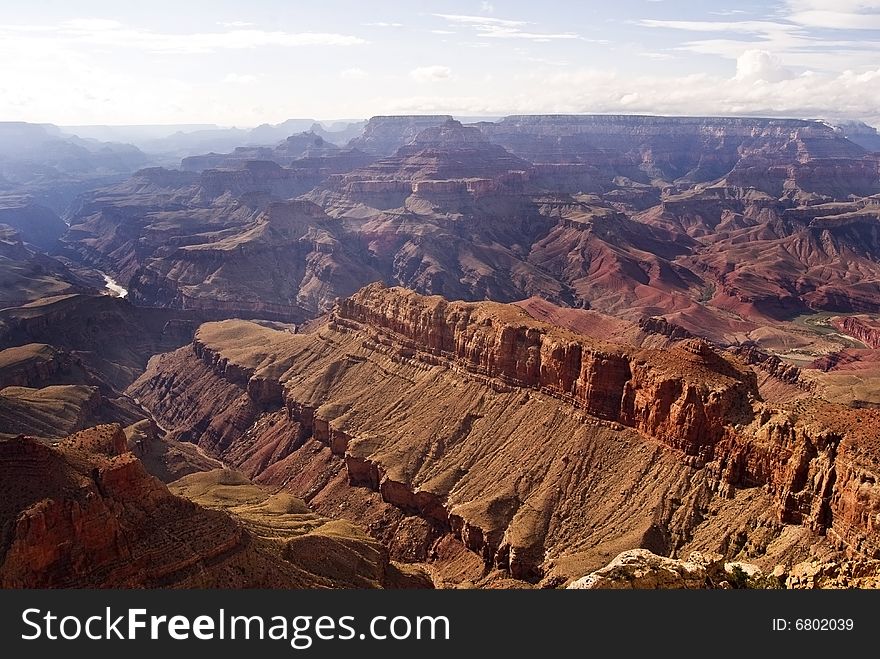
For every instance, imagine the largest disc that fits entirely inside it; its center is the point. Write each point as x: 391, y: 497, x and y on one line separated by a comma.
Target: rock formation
x: 639, y: 568
x: 37, y: 225
x: 85, y: 513
x: 723, y: 227
x: 109, y: 336
x: 382, y: 136
x: 864, y: 328
x: 29, y: 275
x: 511, y: 350
x: 504, y: 433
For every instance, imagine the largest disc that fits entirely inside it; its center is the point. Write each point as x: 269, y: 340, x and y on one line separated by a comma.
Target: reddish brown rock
x: 85, y: 513
x: 864, y: 328
x: 470, y: 391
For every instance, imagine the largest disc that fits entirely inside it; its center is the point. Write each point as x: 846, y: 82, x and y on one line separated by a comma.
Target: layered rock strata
x: 85, y: 513
x: 491, y: 426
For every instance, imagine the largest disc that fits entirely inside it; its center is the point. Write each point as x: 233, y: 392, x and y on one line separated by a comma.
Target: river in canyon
x: 113, y: 288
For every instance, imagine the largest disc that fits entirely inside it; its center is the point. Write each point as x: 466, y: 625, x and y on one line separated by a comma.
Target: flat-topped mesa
x: 254, y: 176
x: 695, y: 149
x: 383, y: 135
x: 634, y: 124
x: 448, y: 134
x: 686, y: 397
x: 265, y: 392
x: 444, y: 153
x: 162, y: 177
x: 32, y: 364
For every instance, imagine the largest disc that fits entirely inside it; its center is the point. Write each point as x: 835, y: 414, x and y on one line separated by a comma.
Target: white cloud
x: 794, y: 44
x: 750, y: 27
x: 434, y: 73
x: 845, y: 95
x: 91, y: 24
x: 383, y: 24
x: 236, y: 24
x: 240, y: 78
x: 480, y: 20
x: 754, y: 65
x: 500, y: 28
x: 112, y: 34
x: 487, y: 7
x: 442, y: 32
x: 837, y: 14
x: 354, y: 74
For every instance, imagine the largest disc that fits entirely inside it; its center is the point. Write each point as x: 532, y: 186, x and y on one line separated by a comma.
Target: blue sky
x: 237, y: 63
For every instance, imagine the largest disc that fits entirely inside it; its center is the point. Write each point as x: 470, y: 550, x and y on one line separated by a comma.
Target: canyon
x: 539, y: 449
x: 543, y: 351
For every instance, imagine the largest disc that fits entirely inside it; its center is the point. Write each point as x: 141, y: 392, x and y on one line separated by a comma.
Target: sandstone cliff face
x: 467, y: 390
x: 93, y: 517
x: 32, y: 365
x: 85, y: 514
x: 689, y: 405
x: 865, y: 329
x: 691, y: 401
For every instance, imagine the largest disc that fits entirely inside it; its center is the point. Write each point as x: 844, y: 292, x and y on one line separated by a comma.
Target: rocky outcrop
x: 521, y: 379
x: 644, y: 570
x: 772, y: 365
x: 263, y: 391
x: 382, y: 136
x: 864, y: 328
x: 95, y: 518
x: 641, y: 569
x: 689, y: 406
x: 837, y: 575
x: 85, y: 513
x: 661, y: 326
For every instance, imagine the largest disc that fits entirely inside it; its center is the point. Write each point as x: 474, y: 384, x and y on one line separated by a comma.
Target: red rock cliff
x: 86, y: 514
x: 690, y: 398
x: 685, y: 397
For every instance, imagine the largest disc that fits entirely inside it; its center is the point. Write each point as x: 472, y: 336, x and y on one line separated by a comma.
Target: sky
x: 245, y: 63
